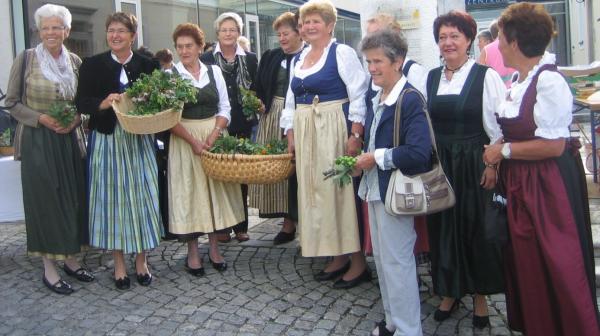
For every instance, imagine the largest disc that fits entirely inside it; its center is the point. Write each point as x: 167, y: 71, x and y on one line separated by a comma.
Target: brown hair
x: 164, y: 56
x: 189, y: 29
x: 286, y: 19
x: 127, y: 19
x: 530, y: 25
x: 462, y: 21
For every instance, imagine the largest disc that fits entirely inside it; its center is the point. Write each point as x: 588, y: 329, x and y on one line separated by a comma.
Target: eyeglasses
x: 118, y: 31
x: 230, y: 30
x: 53, y: 29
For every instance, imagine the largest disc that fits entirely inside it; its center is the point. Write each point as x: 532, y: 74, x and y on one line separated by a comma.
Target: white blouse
x: 552, y: 110
x: 224, y: 109
x: 493, y: 94
x: 123, y: 75
x: 350, y: 70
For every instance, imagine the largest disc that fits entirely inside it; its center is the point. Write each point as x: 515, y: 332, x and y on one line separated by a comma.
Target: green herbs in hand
x: 160, y: 91
x: 342, y: 170
x: 63, y: 112
x: 250, y: 104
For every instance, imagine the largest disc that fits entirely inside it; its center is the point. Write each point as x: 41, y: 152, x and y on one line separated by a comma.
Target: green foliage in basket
x: 5, y: 138
x: 250, y: 103
x: 232, y: 145
x: 63, y: 112
x: 160, y: 91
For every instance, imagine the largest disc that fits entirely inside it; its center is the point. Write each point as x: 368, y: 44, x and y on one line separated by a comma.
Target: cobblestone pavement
x: 266, y: 290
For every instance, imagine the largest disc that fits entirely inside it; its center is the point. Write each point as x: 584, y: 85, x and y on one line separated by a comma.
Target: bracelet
x: 491, y: 165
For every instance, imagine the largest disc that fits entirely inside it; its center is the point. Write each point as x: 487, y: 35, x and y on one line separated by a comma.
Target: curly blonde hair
x: 324, y: 8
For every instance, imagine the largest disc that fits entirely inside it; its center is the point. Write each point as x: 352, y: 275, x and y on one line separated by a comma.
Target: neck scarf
x: 59, y: 70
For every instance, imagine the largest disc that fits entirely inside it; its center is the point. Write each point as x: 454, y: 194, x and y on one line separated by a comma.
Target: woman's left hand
x: 353, y: 146
x: 488, y: 178
x: 493, y: 153
x: 64, y: 130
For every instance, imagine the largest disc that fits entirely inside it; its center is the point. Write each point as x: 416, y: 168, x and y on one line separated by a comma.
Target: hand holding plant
x: 63, y: 112
x: 342, y: 170
x: 251, y: 105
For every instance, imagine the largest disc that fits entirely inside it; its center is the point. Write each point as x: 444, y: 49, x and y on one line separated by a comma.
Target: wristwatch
x: 506, y: 150
x: 219, y: 129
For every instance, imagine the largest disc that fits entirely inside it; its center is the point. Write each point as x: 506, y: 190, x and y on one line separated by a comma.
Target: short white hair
x: 50, y: 10
x: 229, y: 16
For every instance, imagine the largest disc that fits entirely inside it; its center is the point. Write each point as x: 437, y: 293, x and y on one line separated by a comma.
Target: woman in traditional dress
x: 549, y: 261
x: 239, y: 70
x: 52, y: 162
x: 393, y: 237
x: 124, y: 214
x: 462, y: 99
x: 323, y: 118
x: 271, y: 83
x: 197, y: 203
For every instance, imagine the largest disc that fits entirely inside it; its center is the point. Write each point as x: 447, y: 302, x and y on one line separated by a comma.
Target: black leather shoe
x: 144, y: 279
x: 480, y: 322
x: 284, y: 237
x: 123, y: 283
x: 441, y: 315
x: 59, y: 287
x: 365, y: 276
x: 324, y: 276
x: 381, y: 330
x: 221, y: 267
x: 197, y: 272
x: 80, y: 274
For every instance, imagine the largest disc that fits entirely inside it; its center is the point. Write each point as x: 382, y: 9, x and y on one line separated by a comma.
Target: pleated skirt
x: 271, y: 200
x: 123, y: 192
x: 197, y: 203
x: 327, y: 223
x: 53, y: 180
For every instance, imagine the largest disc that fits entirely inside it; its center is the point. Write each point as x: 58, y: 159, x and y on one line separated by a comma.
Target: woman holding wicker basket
x: 197, y: 203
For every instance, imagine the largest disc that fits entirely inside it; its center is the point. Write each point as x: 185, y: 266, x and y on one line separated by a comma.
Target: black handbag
x: 495, y: 224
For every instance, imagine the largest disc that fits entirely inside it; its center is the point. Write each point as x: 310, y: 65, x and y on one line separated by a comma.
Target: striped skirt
x: 270, y: 199
x: 123, y: 192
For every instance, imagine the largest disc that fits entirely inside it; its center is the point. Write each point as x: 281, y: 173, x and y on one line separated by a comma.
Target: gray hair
x: 485, y: 34
x: 392, y: 43
x: 229, y: 16
x: 50, y: 10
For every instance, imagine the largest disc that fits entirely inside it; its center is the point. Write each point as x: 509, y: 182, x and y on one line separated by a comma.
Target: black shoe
x: 441, y: 315
x: 324, y: 276
x: 480, y: 322
x: 80, y: 274
x: 382, y: 330
x: 144, y: 279
x: 59, y: 287
x: 284, y: 237
x: 123, y: 283
x: 365, y: 276
x: 221, y: 267
x: 197, y: 272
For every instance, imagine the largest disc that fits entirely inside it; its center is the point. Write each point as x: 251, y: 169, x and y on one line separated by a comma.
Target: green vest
x: 207, y: 104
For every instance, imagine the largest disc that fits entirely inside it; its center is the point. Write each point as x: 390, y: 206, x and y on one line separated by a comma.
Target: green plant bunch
x: 250, y: 103
x: 232, y: 145
x: 160, y: 91
x: 341, y: 170
x: 5, y: 138
x: 63, y: 112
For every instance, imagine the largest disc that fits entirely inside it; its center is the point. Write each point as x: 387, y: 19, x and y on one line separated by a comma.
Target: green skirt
x: 54, y: 200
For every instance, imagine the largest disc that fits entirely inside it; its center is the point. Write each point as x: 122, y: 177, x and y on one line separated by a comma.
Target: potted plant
x: 6, y: 148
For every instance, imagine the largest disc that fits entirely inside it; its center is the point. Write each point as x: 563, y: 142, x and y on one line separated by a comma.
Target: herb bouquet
x: 341, y: 172
x: 63, y: 112
x: 250, y: 104
x: 239, y: 160
x: 154, y: 102
x: 6, y: 148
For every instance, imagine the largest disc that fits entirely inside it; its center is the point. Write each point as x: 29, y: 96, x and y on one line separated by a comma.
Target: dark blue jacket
x: 413, y: 156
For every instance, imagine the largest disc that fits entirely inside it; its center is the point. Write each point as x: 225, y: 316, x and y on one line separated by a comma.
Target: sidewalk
x: 266, y: 290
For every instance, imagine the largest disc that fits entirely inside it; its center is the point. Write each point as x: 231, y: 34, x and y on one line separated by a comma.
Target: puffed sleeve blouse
x: 554, y: 101
x: 351, y: 72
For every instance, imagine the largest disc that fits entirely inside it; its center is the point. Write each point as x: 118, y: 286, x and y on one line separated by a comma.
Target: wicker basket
x: 247, y: 169
x: 146, y: 124
x: 7, y: 151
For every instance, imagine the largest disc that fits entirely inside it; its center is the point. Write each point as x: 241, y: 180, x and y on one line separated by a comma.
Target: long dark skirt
x: 54, y: 198
x: 549, y: 260
x: 462, y: 261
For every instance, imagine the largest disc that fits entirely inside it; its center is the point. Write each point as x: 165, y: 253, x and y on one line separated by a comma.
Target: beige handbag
x: 420, y: 194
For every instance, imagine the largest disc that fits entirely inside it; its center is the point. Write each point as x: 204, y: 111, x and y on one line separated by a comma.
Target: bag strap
x: 398, y: 121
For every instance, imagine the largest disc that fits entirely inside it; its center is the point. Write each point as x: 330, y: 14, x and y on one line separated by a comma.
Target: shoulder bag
x: 419, y: 194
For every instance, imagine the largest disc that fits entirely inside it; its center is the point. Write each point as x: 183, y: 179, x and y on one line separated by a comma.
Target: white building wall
x: 6, y: 43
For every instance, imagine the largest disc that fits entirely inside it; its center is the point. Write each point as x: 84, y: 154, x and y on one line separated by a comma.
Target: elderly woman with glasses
x: 550, y: 278
x: 52, y: 165
x: 123, y: 175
